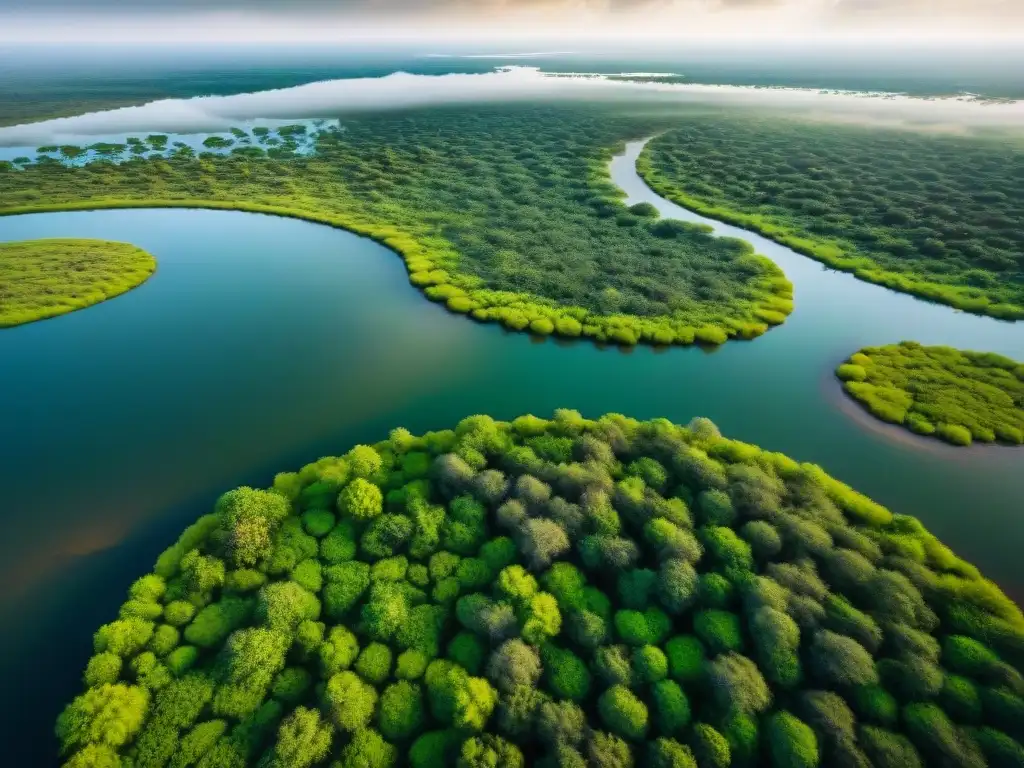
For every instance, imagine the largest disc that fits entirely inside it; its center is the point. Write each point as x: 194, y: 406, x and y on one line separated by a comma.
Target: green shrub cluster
x: 933, y: 215
x: 46, y: 278
x: 476, y: 603
x: 957, y: 396
x: 503, y: 214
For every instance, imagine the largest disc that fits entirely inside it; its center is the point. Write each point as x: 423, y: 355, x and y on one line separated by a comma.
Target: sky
x: 505, y: 20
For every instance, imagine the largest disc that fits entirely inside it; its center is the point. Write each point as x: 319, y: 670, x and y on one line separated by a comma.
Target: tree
x: 686, y: 658
x: 886, y: 749
x: 677, y: 585
x: 512, y: 664
x: 109, y: 715
x: 671, y: 707
x: 791, y: 742
x: 360, y: 500
x: 435, y: 748
x: 374, y: 663
x: 489, y: 751
x: 710, y: 747
x: 649, y: 664
x: 776, y: 640
x: 561, y: 723
x: 542, y: 619
x: 350, y: 701
x: 368, y: 750
x: 251, y: 517
x: 840, y: 660
x: 737, y: 684
x: 401, y: 711
x: 541, y: 541
x: 605, y: 750
x: 302, y: 740
x: 669, y: 753
x: 718, y: 630
x: 566, y: 674
x: 623, y: 712
x: 284, y: 605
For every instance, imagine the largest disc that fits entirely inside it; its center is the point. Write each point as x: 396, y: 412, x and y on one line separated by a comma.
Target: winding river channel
x: 262, y: 343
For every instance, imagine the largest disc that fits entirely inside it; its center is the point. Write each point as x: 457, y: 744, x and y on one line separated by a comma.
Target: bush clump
x: 957, y: 396
x: 630, y: 628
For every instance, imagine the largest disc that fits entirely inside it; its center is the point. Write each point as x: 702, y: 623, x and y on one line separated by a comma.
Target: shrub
x: 647, y: 628
x: 400, y: 715
x: 374, y: 663
x: 719, y: 631
x: 791, y: 743
x: 350, y: 701
x: 623, y: 712
x: 686, y: 658
x: 649, y: 664
x: 710, y: 747
x: 566, y: 675
x: 671, y: 707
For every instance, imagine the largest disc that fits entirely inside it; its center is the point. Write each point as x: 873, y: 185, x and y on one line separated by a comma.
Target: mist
x: 334, y: 98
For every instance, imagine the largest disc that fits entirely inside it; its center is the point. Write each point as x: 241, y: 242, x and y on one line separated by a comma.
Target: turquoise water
x: 262, y: 343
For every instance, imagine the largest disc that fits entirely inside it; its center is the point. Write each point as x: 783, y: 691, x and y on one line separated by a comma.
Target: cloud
x: 335, y: 98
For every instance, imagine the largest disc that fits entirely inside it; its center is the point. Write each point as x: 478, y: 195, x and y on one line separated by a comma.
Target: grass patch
x: 958, y: 396
x: 932, y: 215
x: 46, y: 278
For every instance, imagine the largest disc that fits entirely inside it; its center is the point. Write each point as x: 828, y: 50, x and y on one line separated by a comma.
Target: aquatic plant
x: 566, y: 591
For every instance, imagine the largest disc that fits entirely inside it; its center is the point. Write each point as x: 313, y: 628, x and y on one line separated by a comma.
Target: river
x: 262, y: 343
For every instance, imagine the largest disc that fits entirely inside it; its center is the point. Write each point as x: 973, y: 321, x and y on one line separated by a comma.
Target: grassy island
x: 561, y: 592
x: 46, y: 278
x: 504, y: 214
x: 957, y: 396
x: 934, y: 215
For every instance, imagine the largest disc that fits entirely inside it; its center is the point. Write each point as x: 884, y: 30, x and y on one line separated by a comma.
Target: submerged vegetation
x: 937, y: 216
x: 507, y: 215
x: 567, y: 592
x: 958, y: 396
x: 46, y: 278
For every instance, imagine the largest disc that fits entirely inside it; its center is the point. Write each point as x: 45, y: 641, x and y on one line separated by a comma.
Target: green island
x: 958, y: 396
x: 929, y: 214
x: 46, y: 278
x: 505, y: 214
x: 568, y: 592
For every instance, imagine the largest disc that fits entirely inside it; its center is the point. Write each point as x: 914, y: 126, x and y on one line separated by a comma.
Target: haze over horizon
x: 279, y: 21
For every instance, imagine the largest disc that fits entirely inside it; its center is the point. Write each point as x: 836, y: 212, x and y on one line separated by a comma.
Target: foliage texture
x: 450, y: 632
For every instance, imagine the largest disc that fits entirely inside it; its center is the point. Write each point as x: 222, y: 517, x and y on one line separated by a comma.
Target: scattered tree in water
x: 565, y: 592
x: 957, y: 396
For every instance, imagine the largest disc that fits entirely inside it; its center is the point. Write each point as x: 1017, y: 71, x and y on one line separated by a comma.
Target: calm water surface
x: 262, y: 343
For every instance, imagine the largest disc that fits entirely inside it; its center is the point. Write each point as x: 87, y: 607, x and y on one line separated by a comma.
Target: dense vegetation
x: 566, y: 592
x: 45, y: 278
x: 507, y: 215
x: 937, y: 216
x: 958, y: 396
